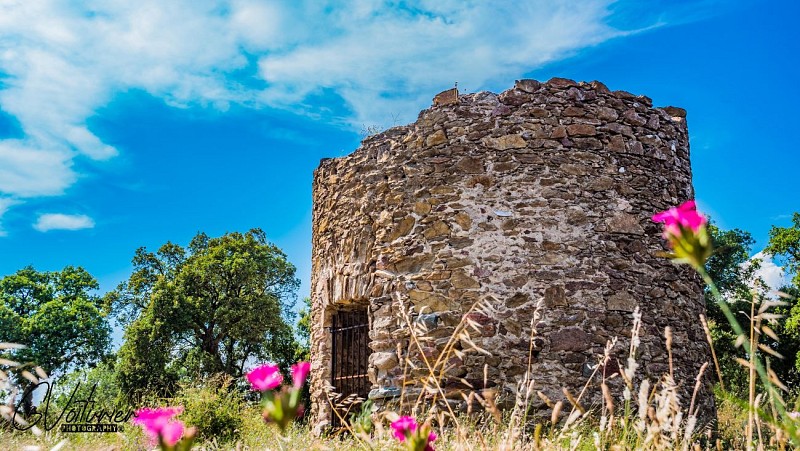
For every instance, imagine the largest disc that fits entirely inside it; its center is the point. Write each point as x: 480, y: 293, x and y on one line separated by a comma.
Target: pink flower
x: 265, y: 377
x: 404, y: 426
x: 683, y: 216
x: 154, y: 420
x: 415, y: 437
x: 299, y: 373
x: 794, y: 415
x: 686, y: 234
x: 431, y: 438
x: 172, y: 432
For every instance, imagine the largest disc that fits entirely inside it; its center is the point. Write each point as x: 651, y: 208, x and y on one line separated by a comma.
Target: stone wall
x: 536, y: 201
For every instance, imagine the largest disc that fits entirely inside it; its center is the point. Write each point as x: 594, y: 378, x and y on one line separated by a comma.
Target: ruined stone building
x: 535, y: 204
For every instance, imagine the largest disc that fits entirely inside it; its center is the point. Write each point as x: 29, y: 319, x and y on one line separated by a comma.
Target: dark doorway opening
x: 350, y: 361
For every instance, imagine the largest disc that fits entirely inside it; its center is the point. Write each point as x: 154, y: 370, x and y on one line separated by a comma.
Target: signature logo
x: 78, y: 415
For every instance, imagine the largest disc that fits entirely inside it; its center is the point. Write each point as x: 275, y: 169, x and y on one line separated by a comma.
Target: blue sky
x: 130, y: 124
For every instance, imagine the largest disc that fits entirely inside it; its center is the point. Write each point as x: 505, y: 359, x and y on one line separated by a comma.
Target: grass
x: 477, y: 432
x: 650, y: 415
x: 474, y: 433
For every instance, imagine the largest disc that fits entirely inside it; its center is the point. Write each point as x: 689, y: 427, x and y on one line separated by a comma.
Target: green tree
x: 206, y: 309
x: 726, y: 266
x: 784, y: 244
x: 96, y: 381
x: 303, y: 350
x: 735, y: 274
x: 729, y: 269
x: 56, y: 316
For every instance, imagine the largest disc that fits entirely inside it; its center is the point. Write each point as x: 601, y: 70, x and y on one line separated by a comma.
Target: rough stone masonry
x: 536, y: 203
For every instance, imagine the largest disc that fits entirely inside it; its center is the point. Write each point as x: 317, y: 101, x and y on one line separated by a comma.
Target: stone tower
x: 534, y: 204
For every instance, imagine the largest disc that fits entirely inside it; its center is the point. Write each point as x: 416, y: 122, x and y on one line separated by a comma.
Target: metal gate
x: 349, y: 360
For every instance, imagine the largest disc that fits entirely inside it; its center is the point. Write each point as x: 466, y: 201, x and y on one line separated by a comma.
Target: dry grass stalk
x: 707, y: 330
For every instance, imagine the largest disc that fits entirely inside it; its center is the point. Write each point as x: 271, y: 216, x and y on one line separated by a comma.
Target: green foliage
x: 303, y: 351
x: 144, y: 361
x: 728, y: 267
x: 202, y: 310
x: 361, y: 421
x: 784, y: 243
x: 732, y: 249
x: 731, y: 418
x: 735, y: 275
x: 214, y: 407
x: 789, y: 345
x: 99, y: 382
x: 55, y: 315
x: 732, y: 372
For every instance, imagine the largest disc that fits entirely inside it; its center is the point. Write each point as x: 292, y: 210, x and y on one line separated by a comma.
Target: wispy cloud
x: 60, y: 221
x: 61, y: 62
x: 781, y: 217
x: 5, y: 203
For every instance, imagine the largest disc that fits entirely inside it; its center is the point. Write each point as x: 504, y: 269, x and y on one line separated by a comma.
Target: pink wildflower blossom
x: 172, y: 432
x: 686, y: 234
x: 415, y: 437
x: 299, y: 373
x: 154, y: 420
x: 431, y: 438
x: 265, y: 377
x: 402, y: 426
x: 682, y: 216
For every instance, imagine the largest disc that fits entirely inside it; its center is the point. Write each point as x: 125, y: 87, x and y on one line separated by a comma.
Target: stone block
x: 621, y: 301
x: 506, y: 142
x: 570, y: 339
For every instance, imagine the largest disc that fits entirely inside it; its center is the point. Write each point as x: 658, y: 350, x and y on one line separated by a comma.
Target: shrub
x: 214, y: 407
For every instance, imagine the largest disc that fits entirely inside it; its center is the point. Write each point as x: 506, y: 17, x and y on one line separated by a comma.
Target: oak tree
x: 209, y: 308
x: 57, y: 317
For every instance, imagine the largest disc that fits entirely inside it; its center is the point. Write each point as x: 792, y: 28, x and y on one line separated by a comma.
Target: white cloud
x: 60, y: 221
x: 28, y: 169
x: 772, y: 274
x: 384, y: 60
x: 61, y: 62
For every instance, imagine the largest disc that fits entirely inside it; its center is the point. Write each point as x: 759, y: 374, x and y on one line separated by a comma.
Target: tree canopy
x: 731, y: 269
x: 206, y: 309
x: 735, y: 274
x: 784, y: 243
x: 56, y: 316
x: 303, y: 350
x: 726, y: 266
